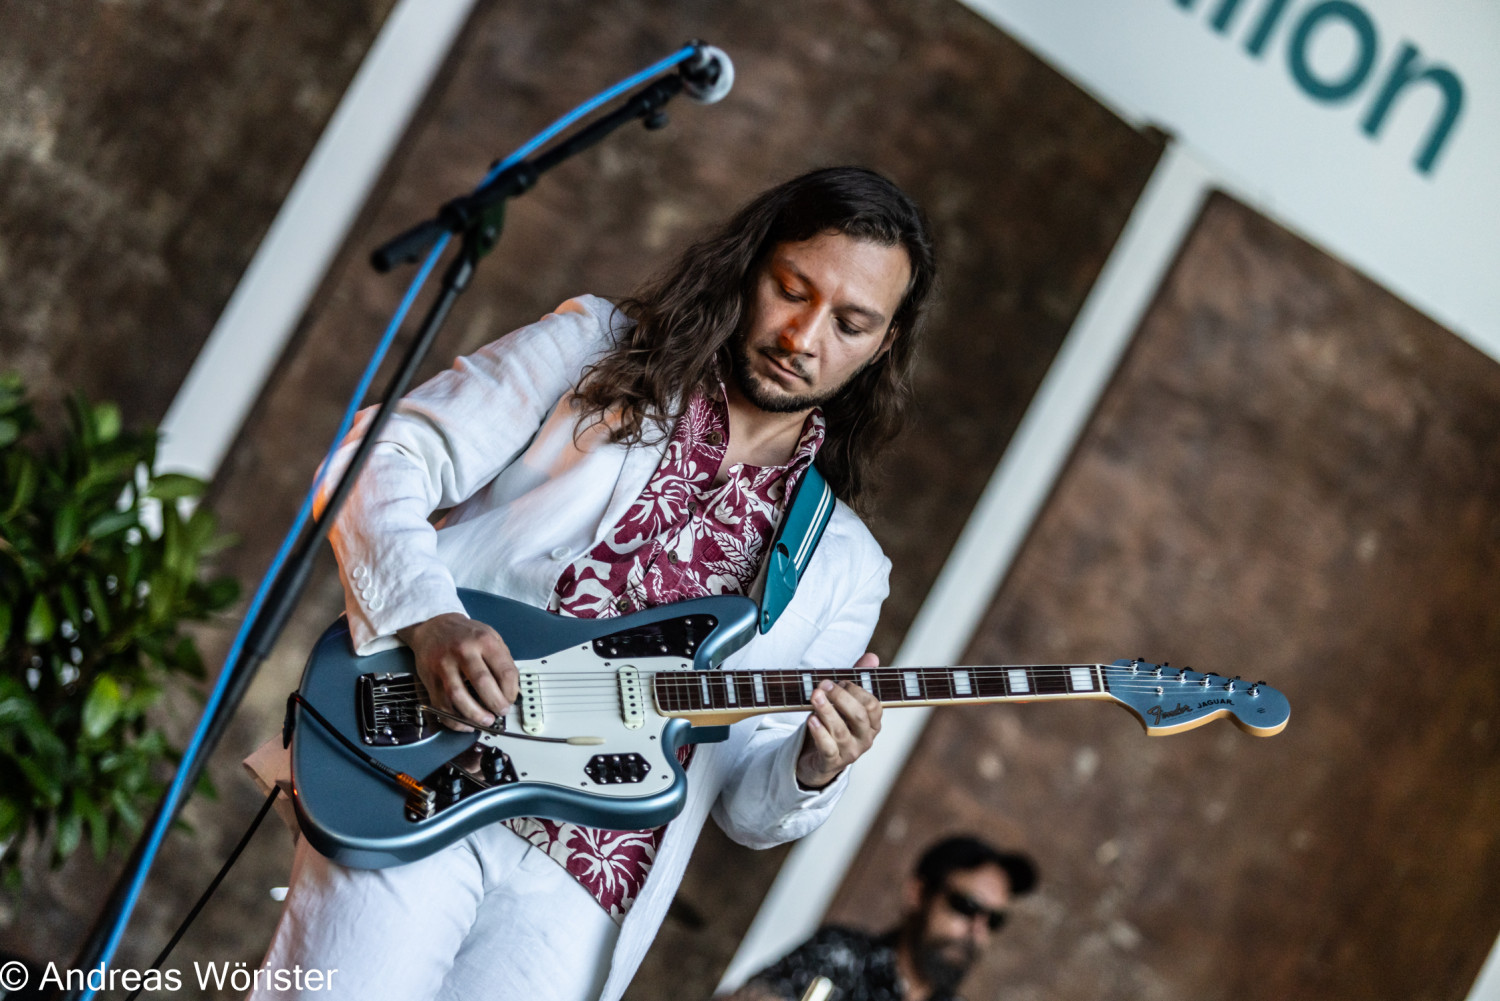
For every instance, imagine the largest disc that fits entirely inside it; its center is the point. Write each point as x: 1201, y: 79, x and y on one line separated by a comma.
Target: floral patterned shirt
x: 684, y: 537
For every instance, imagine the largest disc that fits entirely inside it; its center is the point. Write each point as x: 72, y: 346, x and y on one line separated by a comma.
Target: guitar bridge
x: 389, y: 710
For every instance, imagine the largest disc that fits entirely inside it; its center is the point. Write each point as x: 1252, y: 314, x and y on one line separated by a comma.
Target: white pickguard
x: 580, y: 696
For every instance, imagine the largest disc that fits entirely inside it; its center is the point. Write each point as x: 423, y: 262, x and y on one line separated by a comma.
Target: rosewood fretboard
x: 681, y: 693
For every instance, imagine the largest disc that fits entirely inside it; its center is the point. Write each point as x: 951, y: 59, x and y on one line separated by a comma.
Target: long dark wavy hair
x: 686, y: 320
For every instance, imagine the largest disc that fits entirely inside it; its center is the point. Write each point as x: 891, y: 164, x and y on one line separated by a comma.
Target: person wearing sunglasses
x: 954, y: 903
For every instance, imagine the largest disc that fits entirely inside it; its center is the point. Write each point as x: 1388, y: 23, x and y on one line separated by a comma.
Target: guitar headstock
x: 1171, y: 700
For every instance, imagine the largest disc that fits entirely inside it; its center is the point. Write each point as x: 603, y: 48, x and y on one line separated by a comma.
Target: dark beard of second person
x: 756, y: 391
x: 942, y: 962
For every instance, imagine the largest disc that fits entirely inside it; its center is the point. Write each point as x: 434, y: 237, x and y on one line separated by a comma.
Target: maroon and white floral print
x: 684, y: 537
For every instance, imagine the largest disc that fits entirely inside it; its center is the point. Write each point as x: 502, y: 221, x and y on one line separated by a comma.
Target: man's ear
x: 885, y: 345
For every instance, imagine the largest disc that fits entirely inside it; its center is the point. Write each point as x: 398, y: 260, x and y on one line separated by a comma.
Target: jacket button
x: 560, y: 553
x: 360, y: 572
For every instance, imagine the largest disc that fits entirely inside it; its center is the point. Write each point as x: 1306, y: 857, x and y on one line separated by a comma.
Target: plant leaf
x: 65, y: 528
x: 102, y: 707
x: 69, y: 833
x: 40, y: 624
x: 173, y: 486
x: 106, y: 422
x: 108, y: 524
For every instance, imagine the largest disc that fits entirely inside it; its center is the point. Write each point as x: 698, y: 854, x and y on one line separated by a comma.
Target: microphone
x: 707, y: 74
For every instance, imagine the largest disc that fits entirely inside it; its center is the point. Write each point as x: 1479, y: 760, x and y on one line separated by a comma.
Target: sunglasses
x: 966, y: 906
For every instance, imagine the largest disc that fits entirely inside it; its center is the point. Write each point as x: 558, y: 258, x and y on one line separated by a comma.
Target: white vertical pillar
x: 1487, y: 985
x: 240, y: 353
x: 1024, y: 478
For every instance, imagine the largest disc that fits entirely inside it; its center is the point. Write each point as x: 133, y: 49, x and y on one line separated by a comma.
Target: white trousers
x: 489, y: 917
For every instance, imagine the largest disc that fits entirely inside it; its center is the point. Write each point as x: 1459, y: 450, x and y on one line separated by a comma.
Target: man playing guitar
x: 606, y: 459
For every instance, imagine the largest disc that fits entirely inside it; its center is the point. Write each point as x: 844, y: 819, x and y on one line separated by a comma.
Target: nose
x: 799, y: 333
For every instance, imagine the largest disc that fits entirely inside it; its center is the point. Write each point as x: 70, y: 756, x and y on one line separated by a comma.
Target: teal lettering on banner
x: 1405, y: 73
x: 1296, y: 52
x: 1225, y: 15
x: 1269, y: 18
x: 1407, y: 70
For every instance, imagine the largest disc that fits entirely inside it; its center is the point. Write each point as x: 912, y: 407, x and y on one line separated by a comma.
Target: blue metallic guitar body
x: 584, y: 679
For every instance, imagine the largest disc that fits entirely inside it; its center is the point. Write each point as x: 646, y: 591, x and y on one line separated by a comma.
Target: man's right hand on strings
x: 451, y: 649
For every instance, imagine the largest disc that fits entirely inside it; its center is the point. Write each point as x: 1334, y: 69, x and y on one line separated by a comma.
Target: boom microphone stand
x: 476, y: 219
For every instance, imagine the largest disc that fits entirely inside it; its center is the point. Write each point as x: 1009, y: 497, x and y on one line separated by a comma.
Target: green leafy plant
x: 91, y: 606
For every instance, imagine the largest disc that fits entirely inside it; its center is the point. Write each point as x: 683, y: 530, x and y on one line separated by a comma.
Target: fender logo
x: 1216, y: 702
x: 1157, y: 713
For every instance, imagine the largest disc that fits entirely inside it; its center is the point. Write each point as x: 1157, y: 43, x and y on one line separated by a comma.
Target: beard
x: 942, y: 962
x: 771, y: 398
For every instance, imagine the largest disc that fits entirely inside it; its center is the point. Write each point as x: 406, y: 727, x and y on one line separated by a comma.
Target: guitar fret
x: 937, y: 684
x: 990, y: 684
x: 783, y: 689
x: 888, y: 686
x: 1052, y: 682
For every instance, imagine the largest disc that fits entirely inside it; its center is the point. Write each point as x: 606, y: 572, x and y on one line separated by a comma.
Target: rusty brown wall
x: 1028, y: 182
x: 1295, y: 477
x: 144, y: 150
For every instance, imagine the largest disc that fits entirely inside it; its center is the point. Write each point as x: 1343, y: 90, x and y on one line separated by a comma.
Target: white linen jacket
x: 493, y: 441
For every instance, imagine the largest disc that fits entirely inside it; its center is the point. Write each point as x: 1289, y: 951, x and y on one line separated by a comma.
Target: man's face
x: 821, y: 311
x: 952, y: 928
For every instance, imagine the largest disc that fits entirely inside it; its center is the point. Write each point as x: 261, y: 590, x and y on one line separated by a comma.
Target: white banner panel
x: 1372, y: 127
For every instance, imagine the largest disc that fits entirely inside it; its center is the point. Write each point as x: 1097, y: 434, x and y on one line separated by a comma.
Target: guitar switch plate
x: 612, y: 769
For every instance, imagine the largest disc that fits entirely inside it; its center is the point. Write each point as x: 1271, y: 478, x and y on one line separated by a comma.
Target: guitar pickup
x: 632, y: 698
x: 531, y: 704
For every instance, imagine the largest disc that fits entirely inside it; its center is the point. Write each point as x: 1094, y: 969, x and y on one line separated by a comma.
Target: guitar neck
x: 716, y: 697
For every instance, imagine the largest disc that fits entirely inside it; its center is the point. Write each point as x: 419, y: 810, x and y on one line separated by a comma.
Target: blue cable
x: 231, y: 660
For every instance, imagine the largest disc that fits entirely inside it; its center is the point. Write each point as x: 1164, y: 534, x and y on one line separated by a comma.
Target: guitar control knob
x: 493, y: 764
x: 451, y: 787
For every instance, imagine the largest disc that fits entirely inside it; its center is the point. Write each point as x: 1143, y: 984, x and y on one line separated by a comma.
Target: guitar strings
x: 585, y: 691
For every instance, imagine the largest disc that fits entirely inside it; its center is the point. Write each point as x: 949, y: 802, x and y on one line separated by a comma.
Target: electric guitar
x: 605, y: 704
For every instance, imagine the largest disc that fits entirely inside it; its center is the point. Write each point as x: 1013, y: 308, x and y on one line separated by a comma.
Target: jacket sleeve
x: 761, y: 803
x: 445, y: 441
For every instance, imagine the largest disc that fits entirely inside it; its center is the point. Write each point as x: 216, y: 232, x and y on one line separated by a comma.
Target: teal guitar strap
x: 806, y: 517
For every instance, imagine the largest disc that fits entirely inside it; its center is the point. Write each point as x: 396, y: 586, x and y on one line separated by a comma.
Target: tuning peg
x: 1229, y: 685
